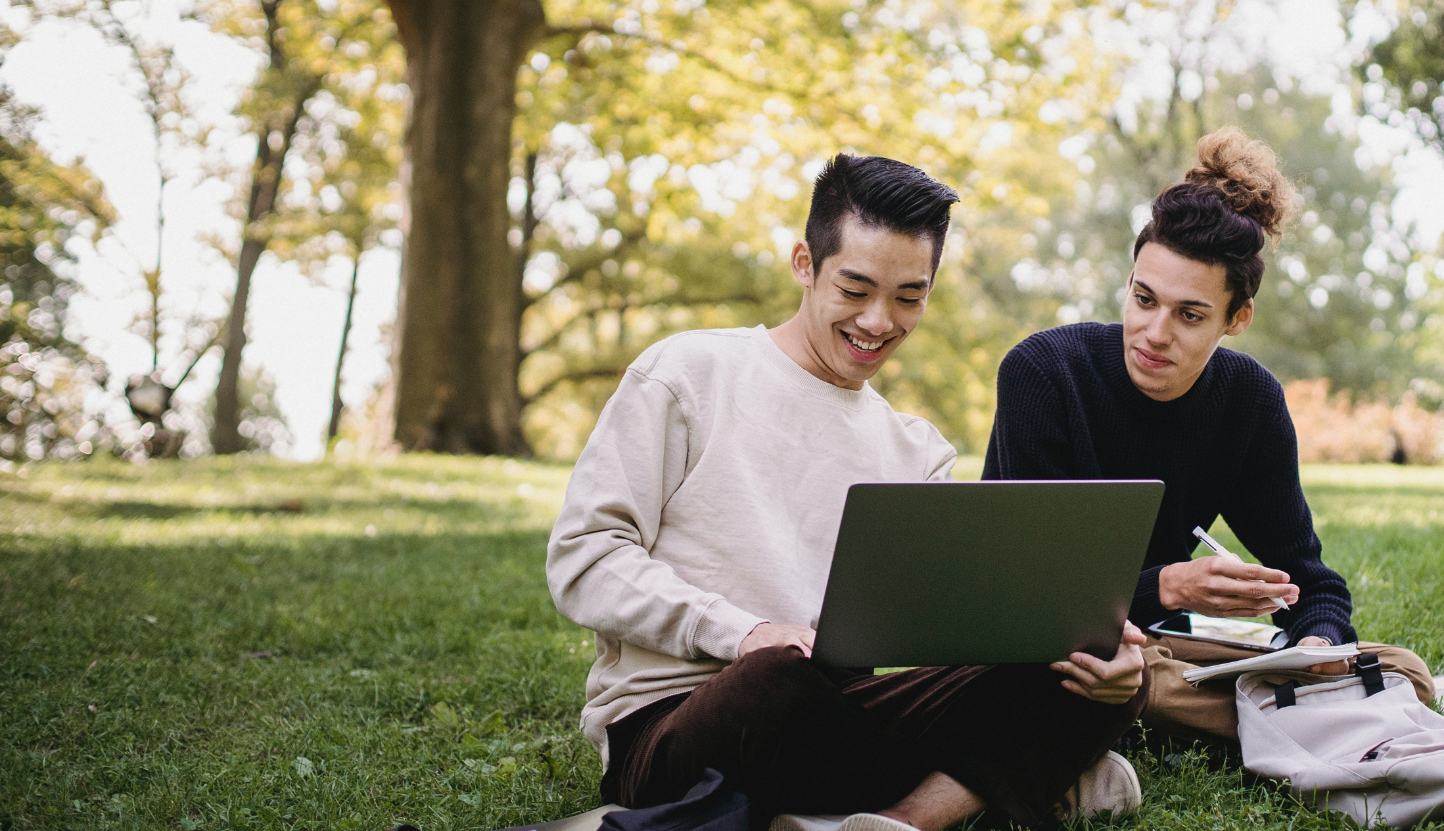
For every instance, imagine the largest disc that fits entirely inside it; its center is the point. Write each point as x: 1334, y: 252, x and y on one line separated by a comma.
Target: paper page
x: 1295, y: 657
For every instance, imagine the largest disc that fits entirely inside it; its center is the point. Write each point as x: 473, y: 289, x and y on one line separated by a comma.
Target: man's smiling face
x: 1175, y: 315
x: 862, y: 303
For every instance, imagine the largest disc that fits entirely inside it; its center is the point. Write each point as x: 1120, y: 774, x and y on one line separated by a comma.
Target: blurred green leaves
x: 667, y: 152
x: 1411, y: 63
x: 44, y: 375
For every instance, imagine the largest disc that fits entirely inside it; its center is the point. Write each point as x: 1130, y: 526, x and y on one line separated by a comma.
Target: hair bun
x: 1247, y: 174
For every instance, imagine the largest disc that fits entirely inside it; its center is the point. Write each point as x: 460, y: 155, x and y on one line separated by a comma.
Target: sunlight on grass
x: 251, y: 643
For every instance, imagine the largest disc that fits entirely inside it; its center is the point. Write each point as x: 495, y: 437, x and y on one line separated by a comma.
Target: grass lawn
x: 249, y: 643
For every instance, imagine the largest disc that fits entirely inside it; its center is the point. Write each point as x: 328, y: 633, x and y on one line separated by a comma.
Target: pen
x: 1224, y: 552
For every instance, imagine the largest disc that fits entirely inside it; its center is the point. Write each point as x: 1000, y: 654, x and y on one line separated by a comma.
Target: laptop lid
x: 947, y: 573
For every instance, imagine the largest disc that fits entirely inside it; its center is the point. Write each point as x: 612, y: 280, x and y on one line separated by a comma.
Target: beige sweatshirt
x: 707, y: 501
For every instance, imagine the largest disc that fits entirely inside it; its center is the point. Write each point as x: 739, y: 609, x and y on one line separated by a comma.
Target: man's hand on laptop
x: 1107, y: 682
x: 778, y: 634
x: 1220, y: 587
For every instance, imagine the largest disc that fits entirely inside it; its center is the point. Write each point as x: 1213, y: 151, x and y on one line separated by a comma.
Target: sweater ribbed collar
x: 806, y: 381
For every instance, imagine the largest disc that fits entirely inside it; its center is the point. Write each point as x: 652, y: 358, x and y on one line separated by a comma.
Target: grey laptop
x: 951, y: 573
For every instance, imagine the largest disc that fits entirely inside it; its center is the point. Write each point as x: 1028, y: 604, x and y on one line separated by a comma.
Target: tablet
x: 951, y: 573
x: 1244, y: 634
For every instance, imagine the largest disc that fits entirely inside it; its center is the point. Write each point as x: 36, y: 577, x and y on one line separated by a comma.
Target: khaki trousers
x: 1207, y: 711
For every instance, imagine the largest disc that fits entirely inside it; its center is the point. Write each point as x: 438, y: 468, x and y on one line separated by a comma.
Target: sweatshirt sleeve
x: 1271, y: 518
x: 941, y: 457
x: 599, y: 564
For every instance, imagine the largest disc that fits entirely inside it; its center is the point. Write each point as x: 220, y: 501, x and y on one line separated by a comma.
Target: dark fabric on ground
x: 1068, y: 410
x: 710, y: 805
x: 797, y: 740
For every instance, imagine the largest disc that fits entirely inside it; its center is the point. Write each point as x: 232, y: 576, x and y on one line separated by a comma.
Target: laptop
x: 948, y: 573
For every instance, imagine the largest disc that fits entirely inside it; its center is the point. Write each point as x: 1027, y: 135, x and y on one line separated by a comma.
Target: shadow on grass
x: 129, y: 510
x: 20, y: 494
x: 448, y: 510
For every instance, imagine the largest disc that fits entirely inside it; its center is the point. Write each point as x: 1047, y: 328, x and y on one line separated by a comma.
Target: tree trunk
x: 225, y: 432
x: 265, y: 187
x: 336, y: 406
x: 457, y: 340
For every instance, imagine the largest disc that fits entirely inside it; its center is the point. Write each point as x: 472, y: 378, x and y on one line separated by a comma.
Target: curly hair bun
x: 1247, y: 174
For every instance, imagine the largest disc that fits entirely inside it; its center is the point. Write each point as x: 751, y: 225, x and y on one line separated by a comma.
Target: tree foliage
x: 1410, y: 62
x: 306, y: 49
x: 1338, y: 300
x: 340, y: 196
x: 664, y: 162
x: 658, y: 167
x: 162, y: 86
x: 44, y: 375
x: 325, y: 113
x: 1404, y: 86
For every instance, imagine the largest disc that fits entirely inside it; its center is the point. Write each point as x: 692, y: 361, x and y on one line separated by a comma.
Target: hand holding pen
x: 1224, y: 585
x: 1224, y: 552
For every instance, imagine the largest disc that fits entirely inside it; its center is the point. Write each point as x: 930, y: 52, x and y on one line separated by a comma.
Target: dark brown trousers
x: 798, y: 739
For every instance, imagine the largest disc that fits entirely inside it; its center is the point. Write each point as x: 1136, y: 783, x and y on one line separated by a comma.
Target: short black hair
x: 880, y: 193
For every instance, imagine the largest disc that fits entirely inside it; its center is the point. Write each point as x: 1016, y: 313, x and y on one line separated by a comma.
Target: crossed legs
x: 929, y: 746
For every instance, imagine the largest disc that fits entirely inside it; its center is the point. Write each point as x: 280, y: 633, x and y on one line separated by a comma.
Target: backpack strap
x: 1366, y: 666
x: 1284, y: 694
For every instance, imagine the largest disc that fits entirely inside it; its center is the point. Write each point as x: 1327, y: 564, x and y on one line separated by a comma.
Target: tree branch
x: 201, y: 353
x: 575, y: 273
x: 592, y: 311
x: 574, y: 375
x: 586, y: 27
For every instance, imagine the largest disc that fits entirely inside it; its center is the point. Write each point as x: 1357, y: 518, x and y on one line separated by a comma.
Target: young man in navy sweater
x: 1155, y: 398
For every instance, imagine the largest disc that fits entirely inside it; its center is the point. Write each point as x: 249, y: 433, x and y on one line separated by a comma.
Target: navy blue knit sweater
x: 1068, y: 410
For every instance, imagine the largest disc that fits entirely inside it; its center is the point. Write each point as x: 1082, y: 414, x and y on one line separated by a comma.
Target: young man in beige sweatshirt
x: 696, y: 539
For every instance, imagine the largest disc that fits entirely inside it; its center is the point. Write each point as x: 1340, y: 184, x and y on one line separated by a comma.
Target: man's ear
x: 1241, y: 319
x: 802, y: 264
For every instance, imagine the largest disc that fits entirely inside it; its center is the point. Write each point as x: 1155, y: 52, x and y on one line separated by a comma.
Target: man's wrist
x: 721, y: 630
x: 1167, y: 598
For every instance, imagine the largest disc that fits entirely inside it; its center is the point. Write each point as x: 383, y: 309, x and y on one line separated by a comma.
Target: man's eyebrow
x: 849, y: 274
x: 1203, y: 304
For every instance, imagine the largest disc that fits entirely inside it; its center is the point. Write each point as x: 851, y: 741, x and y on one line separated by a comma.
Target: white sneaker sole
x: 854, y: 822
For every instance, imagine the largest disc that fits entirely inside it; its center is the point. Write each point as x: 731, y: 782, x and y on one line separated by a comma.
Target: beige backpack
x: 1362, y: 744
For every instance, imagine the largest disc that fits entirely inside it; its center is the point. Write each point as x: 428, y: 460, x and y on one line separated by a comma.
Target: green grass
x: 251, y: 643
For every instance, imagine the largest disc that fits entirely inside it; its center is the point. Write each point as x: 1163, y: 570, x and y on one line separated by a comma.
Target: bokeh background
x: 356, y: 227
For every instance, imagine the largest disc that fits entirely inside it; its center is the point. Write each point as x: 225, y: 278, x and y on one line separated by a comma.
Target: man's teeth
x: 863, y: 345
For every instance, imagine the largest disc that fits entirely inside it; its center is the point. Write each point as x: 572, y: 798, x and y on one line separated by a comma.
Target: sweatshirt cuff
x: 1147, y: 609
x: 1324, y: 628
x: 721, y: 629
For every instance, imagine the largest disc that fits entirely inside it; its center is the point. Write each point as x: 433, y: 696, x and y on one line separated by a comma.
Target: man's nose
x: 876, y: 319
x: 1158, y: 329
